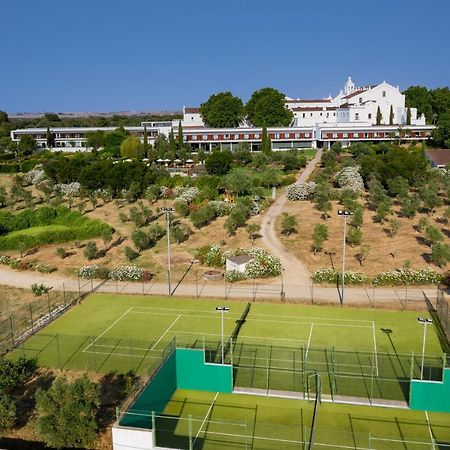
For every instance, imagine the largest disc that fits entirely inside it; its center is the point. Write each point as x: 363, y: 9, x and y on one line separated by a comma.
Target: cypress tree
x: 172, y: 142
x: 379, y: 116
x: 266, y: 145
x: 49, y: 138
x: 180, y: 135
x: 145, y: 144
x: 408, y: 116
x: 391, y: 116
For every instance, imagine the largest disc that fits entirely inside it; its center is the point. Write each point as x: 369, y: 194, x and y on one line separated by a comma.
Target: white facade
x: 355, y: 105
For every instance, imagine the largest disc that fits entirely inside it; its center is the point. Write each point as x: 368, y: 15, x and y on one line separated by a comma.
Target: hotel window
x: 328, y: 115
x: 345, y: 135
x: 297, y: 135
x: 277, y: 135
x: 256, y: 135
x: 356, y: 135
x: 286, y: 135
x: 194, y: 137
x: 304, y: 115
x: 360, y: 100
x: 236, y: 137
x: 370, y: 116
x: 320, y: 114
x: 226, y: 136
x: 334, y: 114
x: 306, y: 135
x: 310, y: 114
x: 246, y: 136
x: 216, y: 136
x: 356, y: 116
x: 334, y: 135
x: 205, y: 137
x: 384, y: 93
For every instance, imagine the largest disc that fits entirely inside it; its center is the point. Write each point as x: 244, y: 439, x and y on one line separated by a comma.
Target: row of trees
x: 266, y: 107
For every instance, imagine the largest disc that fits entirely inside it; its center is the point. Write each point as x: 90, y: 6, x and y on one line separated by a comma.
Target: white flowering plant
x: 301, y: 191
x: 127, y: 273
x: 350, y: 179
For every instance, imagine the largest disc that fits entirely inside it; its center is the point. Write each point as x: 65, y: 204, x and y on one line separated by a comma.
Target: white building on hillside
x: 355, y: 105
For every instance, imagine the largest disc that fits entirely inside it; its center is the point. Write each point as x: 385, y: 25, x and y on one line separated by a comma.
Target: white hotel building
x: 350, y: 116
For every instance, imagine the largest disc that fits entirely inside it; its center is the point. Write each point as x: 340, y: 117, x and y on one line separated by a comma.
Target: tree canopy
x: 222, y: 110
x: 267, y: 107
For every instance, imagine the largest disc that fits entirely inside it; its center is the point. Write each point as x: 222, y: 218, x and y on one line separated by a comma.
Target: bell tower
x: 349, y: 86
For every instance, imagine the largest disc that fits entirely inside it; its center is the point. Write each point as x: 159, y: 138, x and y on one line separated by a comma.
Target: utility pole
x: 344, y: 214
x: 168, y: 212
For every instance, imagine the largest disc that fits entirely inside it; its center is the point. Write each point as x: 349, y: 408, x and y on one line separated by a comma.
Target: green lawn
x: 232, y: 420
x: 276, y: 348
x: 36, y: 231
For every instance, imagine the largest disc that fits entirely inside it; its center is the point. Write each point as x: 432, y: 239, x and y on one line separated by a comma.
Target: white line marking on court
x: 116, y: 321
x: 168, y: 329
x: 206, y: 417
x: 429, y: 426
x: 309, y: 341
x: 314, y: 318
x: 375, y: 347
x: 128, y: 355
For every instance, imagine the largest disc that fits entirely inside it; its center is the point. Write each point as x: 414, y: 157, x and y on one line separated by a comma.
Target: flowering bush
x: 408, y: 276
x: 349, y: 178
x: 213, y: 256
x: 221, y: 208
x: 127, y: 273
x: 262, y: 265
x: 185, y: 194
x: 88, y: 272
x: 44, y: 268
x: 301, y: 191
x: 234, y: 275
x: 69, y: 189
x: 333, y: 276
x: 35, y: 177
x: 166, y: 192
x: 8, y: 261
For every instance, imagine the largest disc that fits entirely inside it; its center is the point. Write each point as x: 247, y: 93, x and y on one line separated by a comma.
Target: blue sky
x: 98, y: 55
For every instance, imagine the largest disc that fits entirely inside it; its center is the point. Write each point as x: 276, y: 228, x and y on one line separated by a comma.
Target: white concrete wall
x: 132, y: 439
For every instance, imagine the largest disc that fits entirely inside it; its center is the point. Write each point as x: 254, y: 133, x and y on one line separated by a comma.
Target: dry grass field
x: 385, y: 253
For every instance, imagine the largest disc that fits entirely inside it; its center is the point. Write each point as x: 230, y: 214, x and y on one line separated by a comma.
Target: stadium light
x: 425, y: 322
x: 168, y: 212
x: 345, y: 214
x: 222, y: 310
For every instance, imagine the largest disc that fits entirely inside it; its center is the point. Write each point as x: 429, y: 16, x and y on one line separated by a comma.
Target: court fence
x: 443, y: 312
x: 259, y: 368
x: 31, y: 317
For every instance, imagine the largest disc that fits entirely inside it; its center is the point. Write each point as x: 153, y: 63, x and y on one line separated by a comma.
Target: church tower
x: 349, y: 86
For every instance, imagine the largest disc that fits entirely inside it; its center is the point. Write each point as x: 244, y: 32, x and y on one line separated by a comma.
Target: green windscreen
x: 194, y: 373
x: 431, y: 395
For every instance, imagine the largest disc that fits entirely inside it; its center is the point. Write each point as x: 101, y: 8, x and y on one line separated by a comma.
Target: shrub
x: 440, y: 254
x: 233, y: 276
x: 213, y: 257
x: 354, y: 236
x: 130, y: 254
x: 88, y: 272
x: 301, y: 191
x: 180, y: 233
x: 288, y: 224
x: 349, y: 178
x: 90, y: 251
x: 61, y: 252
x: 45, y: 268
x: 407, y: 276
x: 7, y: 412
x: 141, y: 240
x: 203, y: 216
x: 333, y: 276
x: 127, y: 273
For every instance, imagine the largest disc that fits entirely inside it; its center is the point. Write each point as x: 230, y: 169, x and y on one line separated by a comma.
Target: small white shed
x: 237, y: 263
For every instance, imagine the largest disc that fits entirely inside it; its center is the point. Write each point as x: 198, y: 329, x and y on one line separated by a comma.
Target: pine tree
x: 145, y: 144
x: 180, y: 135
x: 379, y: 116
x: 391, y: 116
x: 408, y: 116
x: 266, y: 145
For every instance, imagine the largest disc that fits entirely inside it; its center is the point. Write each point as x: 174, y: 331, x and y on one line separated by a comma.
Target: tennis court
x: 274, y: 346
x: 217, y: 421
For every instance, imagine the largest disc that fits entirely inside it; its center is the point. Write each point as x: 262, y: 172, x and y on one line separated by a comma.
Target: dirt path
x: 295, y: 272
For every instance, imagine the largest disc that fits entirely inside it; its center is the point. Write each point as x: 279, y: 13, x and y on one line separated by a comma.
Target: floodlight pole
x: 168, y: 212
x: 425, y: 322
x: 345, y: 214
x: 196, y: 262
x: 222, y: 309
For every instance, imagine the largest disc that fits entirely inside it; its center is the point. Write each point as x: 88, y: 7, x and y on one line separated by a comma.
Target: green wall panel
x: 154, y: 397
x: 431, y: 395
x: 193, y: 373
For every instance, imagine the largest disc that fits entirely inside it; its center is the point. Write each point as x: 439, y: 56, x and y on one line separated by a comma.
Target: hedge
x: 9, y: 168
x: 63, y: 224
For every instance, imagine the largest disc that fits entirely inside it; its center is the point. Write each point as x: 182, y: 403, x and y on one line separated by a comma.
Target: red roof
x: 440, y: 157
x: 359, y: 91
x: 191, y: 110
